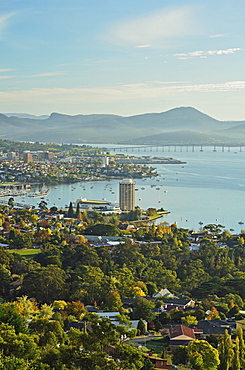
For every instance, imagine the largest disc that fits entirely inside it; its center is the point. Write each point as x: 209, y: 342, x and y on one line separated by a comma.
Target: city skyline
x: 80, y: 57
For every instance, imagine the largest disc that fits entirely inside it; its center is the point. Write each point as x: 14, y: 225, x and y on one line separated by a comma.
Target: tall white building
x: 105, y: 161
x: 127, y: 195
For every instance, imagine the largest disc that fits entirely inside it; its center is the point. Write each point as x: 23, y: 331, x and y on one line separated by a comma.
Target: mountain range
x: 184, y: 125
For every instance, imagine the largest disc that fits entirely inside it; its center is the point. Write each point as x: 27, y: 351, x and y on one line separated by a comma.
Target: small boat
x: 241, y: 222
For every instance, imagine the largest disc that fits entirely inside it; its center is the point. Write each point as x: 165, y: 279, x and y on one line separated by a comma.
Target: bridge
x: 176, y: 148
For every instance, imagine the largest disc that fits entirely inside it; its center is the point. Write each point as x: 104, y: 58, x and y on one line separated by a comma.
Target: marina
x: 209, y: 188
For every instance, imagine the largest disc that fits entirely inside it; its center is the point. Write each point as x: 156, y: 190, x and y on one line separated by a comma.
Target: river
x: 209, y: 188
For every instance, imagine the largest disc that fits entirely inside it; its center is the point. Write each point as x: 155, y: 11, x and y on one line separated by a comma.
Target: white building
x: 127, y: 195
x: 105, y: 161
x: 102, y: 206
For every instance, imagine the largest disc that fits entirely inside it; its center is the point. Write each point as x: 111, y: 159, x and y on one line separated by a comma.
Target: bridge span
x: 176, y: 148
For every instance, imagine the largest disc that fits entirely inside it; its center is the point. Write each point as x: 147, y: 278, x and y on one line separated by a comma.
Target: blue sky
x: 122, y: 57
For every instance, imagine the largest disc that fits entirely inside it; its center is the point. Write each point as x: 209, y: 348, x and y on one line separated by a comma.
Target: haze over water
x: 209, y: 188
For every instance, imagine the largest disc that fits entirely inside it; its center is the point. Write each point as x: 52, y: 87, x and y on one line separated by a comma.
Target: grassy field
x: 27, y: 253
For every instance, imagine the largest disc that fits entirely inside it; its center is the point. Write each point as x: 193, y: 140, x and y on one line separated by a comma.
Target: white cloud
x: 6, y: 70
x: 46, y: 74
x: 219, y: 35
x: 142, y: 46
x: 154, y: 29
x: 220, y: 52
x: 203, y: 54
x: 4, y: 21
x: 117, y: 93
x: 212, y: 87
x: 6, y: 77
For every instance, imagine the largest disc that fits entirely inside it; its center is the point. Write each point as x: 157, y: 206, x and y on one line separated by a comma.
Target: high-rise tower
x: 127, y: 195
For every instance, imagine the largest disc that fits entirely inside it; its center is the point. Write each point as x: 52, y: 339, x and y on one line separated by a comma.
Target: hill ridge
x: 112, y: 128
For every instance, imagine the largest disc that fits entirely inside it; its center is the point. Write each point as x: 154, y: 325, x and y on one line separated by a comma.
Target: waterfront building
x: 105, y: 161
x: 127, y: 195
x: 102, y: 206
x: 27, y: 157
x: 11, y: 156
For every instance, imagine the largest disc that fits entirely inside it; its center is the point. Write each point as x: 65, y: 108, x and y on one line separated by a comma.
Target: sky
x: 122, y: 57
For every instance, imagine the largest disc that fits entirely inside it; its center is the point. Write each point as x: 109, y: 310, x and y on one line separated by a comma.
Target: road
x: 141, y: 340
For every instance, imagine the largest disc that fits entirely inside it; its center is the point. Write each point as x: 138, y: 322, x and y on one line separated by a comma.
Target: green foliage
x: 5, y: 281
x: 130, y: 357
x: 189, y: 320
x: 45, y: 284
x: 69, y: 269
x: 18, y: 345
x: 21, y: 240
x: 240, y: 343
x: 113, y: 301
x: 70, y: 213
x: 141, y: 326
x: 202, y: 356
x: 10, y: 316
x: 233, y: 311
x: 143, y: 309
x: 77, y: 214
x: 102, y: 229
x: 48, y: 332
x: 226, y: 352
x: 180, y: 355
x: 148, y: 365
x: 5, y: 258
x: 236, y: 362
x: 235, y: 299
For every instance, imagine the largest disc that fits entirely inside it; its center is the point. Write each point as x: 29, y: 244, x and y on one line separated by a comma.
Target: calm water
x: 209, y: 188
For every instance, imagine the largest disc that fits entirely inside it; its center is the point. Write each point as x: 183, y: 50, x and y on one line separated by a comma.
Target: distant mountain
x: 179, y: 125
x: 185, y: 137
x: 25, y: 115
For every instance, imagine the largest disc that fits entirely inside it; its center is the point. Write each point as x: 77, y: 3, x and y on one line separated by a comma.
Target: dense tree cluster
x: 69, y: 273
x: 45, y: 343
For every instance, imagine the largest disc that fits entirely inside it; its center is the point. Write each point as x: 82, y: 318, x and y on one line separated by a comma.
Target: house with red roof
x: 182, y: 335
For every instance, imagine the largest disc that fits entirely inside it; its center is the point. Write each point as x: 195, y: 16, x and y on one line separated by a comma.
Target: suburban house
x: 215, y: 327
x: 112, y: 316
x: 179, y: 304
x: 108, y: 315
x: 182, y: 335
x: 159, y: 362
x: 163, y: 293
x: 168, y: 303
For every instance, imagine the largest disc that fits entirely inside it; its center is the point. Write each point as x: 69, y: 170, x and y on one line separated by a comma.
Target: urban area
x: 96, y: 285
